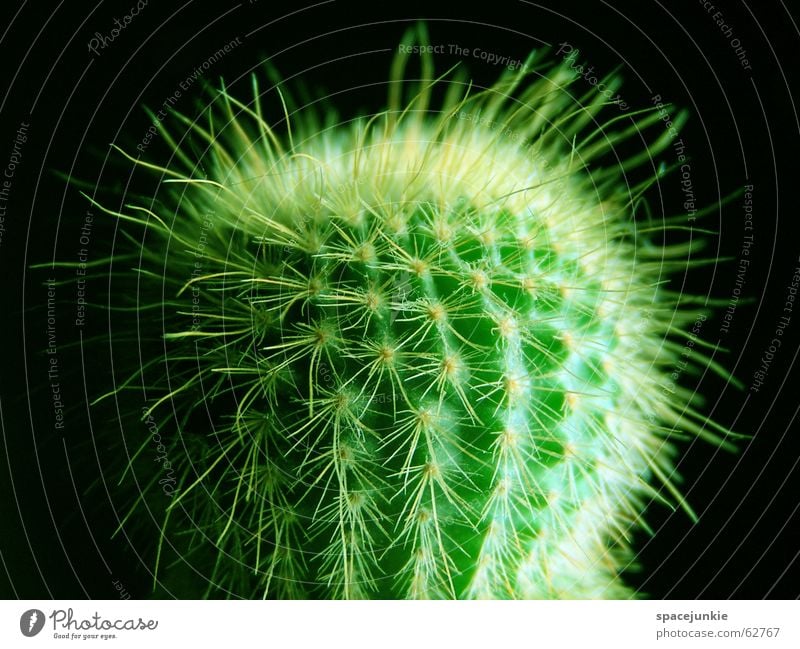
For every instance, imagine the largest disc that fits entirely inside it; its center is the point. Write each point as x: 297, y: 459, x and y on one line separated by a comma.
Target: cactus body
x: 431, y: 348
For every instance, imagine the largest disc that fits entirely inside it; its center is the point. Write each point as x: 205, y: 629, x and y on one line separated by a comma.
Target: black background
x: 743, y: 128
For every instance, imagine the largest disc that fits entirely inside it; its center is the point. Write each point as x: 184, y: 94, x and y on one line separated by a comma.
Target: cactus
x: 420, y: 355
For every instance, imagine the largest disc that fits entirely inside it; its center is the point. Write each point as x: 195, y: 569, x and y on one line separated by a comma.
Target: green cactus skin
x: 432, y: 347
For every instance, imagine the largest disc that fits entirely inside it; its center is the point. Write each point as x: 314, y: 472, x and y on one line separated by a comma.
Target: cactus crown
x: 430, y: 342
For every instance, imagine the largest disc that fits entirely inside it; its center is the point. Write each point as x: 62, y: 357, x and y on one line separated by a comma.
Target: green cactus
x: 421, y: 355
